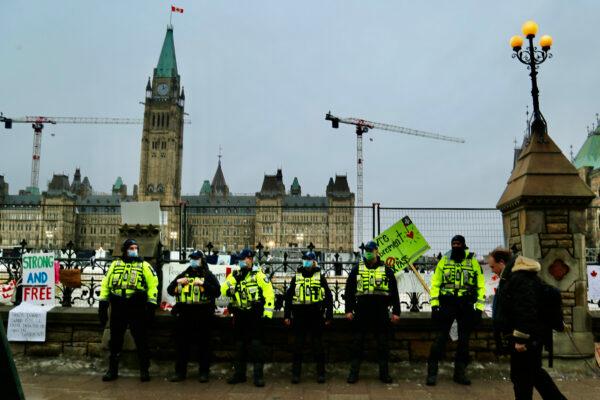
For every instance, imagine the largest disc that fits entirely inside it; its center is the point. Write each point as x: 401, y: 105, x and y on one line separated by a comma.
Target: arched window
x: 150, y: 189
x: 160, y: 188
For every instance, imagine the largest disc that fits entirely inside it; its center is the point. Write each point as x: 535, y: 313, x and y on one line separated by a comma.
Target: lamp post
x: 533, y: 57
x: 173, y: 236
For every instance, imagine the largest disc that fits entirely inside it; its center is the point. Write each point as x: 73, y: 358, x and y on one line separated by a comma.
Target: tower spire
x: 167, y: 62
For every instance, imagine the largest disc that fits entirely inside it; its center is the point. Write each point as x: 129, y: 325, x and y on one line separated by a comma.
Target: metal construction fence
x: 225, y: 229
x: 230, y: 227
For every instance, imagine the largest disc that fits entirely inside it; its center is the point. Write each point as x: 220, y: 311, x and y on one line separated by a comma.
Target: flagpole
x: 171, y: 17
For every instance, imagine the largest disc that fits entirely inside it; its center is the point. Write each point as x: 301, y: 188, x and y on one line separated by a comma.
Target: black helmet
x: 371, y: 245
x: 127, y: 244
x: 247, y: 252
x: 197, y: 255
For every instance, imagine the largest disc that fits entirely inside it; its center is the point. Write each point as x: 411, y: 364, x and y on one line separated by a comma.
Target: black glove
x: 477, y: 315
x: 103, y: 312
x: 150, y: 312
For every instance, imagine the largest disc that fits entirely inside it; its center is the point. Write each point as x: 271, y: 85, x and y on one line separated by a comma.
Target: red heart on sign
x: 410, y: 234
x: 594, y: 273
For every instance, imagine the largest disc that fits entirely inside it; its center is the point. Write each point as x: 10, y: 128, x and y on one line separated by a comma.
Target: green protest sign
x: 401, y: 244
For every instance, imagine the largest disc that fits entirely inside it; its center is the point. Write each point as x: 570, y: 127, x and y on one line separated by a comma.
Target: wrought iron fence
x: 279, y: 269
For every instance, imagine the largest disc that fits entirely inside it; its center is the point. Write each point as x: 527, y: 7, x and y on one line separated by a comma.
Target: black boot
x: 384, y: 373
x: 177, y: 377
x: 239, y: 374
x: 432, y: 372
x: 296, y: 371
x: 354, y: 369
x: 203, y: 376
x: 259, y: 381
x: 460, y: 374
x: 113, y: 369
x: 144, y: 375
x: 320, y: 372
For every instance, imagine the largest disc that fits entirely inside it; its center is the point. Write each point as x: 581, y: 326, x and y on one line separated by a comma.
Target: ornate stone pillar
x: 543, y: 208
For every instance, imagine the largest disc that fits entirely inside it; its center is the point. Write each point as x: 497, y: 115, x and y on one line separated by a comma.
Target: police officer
x: 252, y: 301
x: 457, y: 293
x: 195, y: 290
x: 130, y: 287
x: 309, y: 301
x: 370, y: 290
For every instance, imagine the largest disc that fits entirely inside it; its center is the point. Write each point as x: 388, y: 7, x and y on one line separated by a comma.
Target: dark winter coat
x: 520, y: 302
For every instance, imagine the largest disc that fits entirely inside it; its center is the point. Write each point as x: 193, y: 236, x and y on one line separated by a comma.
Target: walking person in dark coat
x: 518, y: 311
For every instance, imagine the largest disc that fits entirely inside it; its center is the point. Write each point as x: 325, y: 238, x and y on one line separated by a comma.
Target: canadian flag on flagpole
x: 176, y: 9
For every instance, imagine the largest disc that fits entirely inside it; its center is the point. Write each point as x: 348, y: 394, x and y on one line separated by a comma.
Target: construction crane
x: 362, y: 127
x: 37, y: 123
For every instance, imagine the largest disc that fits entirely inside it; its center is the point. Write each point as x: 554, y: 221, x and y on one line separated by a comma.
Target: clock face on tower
x: 163, y: 89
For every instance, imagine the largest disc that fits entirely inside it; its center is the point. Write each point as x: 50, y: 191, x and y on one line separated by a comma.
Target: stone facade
x: 544, y: 216
x: 228, y: 221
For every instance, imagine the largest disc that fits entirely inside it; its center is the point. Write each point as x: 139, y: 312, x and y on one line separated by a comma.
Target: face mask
x: 369, y: 256
x: 307, y: 263
x: 132, y: 253
x: 194, y: 263
x: 242, y: 264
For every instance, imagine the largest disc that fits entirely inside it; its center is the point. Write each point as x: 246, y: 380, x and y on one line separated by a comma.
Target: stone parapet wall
x: 76, y: 332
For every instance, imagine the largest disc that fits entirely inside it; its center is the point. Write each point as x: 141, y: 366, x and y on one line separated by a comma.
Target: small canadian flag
x: 176, y: 9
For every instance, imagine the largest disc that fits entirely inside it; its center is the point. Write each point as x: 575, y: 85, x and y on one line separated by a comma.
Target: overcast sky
x: 259, y: 77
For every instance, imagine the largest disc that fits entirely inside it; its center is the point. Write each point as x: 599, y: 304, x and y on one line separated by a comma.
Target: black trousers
x: 459, y: 309
x: 193, y: 329
x: 374, y: 321
x: 526, y: 372
x: 248, y: 335
x: 308, y: 321
x: 129, y: 313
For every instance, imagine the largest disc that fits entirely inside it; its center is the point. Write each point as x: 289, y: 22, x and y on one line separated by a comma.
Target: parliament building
x: 276, y: 216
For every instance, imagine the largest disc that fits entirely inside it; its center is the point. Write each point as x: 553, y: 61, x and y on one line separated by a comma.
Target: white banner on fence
x: 27, y: 323
x: 38, y: 278
x: 593, y: 272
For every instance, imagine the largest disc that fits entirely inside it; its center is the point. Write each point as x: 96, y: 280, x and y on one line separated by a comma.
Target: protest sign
x: 7, y: 291
x: 401, y: 244
x: 38, y: 279
x: 27, y: 323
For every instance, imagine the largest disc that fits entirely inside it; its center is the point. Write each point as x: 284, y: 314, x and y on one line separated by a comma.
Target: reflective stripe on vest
x: 247, y: 292
x: 308, y: 289
x: 128, y: 277
x: 458, y: 278
x: 192, y: 294
x: 372, y: 281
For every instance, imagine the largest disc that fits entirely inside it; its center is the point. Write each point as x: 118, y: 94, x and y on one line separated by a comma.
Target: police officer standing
x: 309, y: 301
x: 130, y: 287
x: 457, y: 293
x: 370, y: 290
x: 195, y: 290
x: 252, y: 301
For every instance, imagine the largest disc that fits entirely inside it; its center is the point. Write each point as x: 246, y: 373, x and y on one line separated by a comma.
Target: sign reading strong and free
x: 38, y: 279
x: 401, y: 244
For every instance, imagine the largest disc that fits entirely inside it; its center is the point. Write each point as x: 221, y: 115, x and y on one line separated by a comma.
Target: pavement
x: 71, y: 380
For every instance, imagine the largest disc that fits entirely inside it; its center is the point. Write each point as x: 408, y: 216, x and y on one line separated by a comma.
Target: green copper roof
x: 118, y: 183
x: 589, y: 154
x: 205, y: 188
x: 167, y: 64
